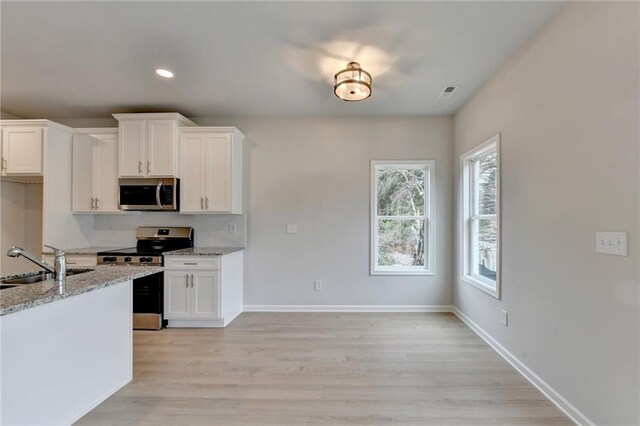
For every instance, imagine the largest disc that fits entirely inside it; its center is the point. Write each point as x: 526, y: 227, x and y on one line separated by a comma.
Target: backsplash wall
x: 209, y: 230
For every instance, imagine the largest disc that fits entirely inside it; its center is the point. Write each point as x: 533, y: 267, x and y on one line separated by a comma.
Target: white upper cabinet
x: 22, y: 150
x: 211, y: 170
x: 149, y: 144
x: 95, y: 171
x: 132, y: 141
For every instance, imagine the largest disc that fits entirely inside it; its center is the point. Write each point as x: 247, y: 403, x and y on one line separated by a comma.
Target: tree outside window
x: 401, y: 217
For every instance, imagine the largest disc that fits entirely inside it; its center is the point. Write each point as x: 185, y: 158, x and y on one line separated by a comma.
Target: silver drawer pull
x: 190, y: 263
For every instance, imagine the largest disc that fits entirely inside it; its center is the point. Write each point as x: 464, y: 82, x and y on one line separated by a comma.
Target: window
x: 480, y: 227
x: 401, y: 217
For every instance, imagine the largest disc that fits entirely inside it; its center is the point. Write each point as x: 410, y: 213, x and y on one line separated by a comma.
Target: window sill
x: 490, y: 290
x: 401, y: 273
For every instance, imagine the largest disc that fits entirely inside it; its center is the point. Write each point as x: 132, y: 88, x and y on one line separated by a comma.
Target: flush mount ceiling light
x: 352, y: 84
x: 164, y: 73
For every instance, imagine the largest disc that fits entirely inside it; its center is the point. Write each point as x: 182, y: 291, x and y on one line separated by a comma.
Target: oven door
x: 148, y: 302
x: 148, y: 194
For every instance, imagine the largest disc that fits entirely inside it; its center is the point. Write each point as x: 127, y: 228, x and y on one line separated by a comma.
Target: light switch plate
x: 614, y: 243
x: 504, y: 318
x: 292, y: 228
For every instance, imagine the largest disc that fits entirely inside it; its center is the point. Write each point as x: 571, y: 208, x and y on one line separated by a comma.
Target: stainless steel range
x: 148, y: 292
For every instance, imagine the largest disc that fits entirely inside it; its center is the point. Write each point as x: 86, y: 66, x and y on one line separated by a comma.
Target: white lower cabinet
x: 192, y: 295
x: 177, y: 295
x: 202, y: 291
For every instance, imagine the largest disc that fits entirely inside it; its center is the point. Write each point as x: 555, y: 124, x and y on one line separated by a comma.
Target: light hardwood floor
x: 324, y: 368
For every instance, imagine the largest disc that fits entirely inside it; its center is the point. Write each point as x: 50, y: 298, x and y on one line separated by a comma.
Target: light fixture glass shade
x: 352, y: 83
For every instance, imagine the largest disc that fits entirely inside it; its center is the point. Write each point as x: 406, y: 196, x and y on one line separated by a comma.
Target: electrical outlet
x: 232, y: 228
x: 292, y: 228
x: 614, y: 243
x: 504, y: 318
x: 318, y: 285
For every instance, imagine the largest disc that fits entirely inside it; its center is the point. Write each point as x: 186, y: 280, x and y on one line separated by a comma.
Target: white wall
x: 567, y: 107
x: 21, y: 224
x: 314, y: 172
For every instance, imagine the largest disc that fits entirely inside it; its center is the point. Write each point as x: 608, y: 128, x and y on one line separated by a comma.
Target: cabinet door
x: 192, y: 173
x: 83, y: 198
x: 132, y: 145
x: 107, y: 179
x: 205, y: 295
x: 161, y: 148
x: 177, y: 303
x: 218, y: 173
x: 22, y: 150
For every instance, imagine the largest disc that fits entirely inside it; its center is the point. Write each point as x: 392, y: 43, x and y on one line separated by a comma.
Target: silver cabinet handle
x: 193, y: 280
x: 139, y: 167
x: 189, y: 263
x: 4, y: 163
x: 186, y: 281
x: 148, y: 166
x: 206, y: 203
x: 92, y: 203
x: 201, y: 203
x: 97, y: 205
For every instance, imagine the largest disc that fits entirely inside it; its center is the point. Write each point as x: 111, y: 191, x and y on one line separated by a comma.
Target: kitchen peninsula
x: 64, y: 352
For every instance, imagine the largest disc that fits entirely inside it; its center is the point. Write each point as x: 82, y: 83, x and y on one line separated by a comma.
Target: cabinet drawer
x: 191, y: 263
x: 75, y: 261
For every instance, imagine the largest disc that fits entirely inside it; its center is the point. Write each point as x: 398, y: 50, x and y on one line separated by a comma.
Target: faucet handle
x: 56, y: 251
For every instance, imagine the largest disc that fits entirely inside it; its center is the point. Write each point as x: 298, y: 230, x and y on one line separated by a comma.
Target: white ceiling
x: 90, y: 59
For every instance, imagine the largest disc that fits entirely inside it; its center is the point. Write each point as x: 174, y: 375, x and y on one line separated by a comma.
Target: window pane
x: 486, y: 249
x: 401, y: 243
x: 487, y: 184
x: 401, y: 192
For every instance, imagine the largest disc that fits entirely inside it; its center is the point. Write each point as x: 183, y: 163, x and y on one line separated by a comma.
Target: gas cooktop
x: 152, y: 242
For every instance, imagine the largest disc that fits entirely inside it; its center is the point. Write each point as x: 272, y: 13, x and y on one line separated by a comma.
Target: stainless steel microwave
x: 150, y: 194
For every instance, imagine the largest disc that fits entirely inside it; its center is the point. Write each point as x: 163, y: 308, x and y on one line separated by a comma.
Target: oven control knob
x: 145, y: 259
x: 109, y: 259
x: 127, y: 259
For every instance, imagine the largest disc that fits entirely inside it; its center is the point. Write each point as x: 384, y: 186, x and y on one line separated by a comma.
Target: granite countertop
x: 203, y: 251
x: 26, y: 296
x: 88, y: 251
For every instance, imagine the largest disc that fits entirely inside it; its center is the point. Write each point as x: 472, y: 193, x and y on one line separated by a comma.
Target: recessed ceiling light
x: 164, y: 73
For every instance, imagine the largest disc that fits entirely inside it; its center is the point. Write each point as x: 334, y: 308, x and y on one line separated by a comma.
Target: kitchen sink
x: 4, y: 286
x: 38, y: 277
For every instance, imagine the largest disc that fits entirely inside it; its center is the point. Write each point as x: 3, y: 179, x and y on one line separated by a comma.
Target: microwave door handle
x: 158, y: 188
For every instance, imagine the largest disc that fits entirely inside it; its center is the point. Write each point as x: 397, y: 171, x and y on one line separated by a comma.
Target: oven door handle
x: 158, y: 188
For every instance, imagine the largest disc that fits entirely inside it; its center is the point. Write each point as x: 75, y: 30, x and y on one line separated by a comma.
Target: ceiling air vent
x: 448, y: 92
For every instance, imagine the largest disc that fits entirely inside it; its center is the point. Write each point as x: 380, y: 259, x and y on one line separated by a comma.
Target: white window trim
x: 464, y: 223
x: 429, y: 217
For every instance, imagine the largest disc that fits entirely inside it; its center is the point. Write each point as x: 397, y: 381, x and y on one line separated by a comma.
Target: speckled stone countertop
x: 26, y: 296
x: 88, y: 251
x: 203, y: 251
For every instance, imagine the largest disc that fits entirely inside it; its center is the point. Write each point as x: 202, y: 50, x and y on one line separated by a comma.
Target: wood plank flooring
x: 324, y: 368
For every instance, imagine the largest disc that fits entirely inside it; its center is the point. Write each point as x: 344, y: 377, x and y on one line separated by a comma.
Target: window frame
x: 469, y: 216
x: 428, y: 217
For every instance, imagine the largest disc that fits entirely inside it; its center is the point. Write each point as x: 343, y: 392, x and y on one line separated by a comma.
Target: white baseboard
x: 219, y: 323
x: 348, y: 308
x: 574, y: 414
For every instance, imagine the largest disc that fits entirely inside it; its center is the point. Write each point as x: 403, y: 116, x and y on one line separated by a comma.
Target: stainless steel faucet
x: 60, y: 264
